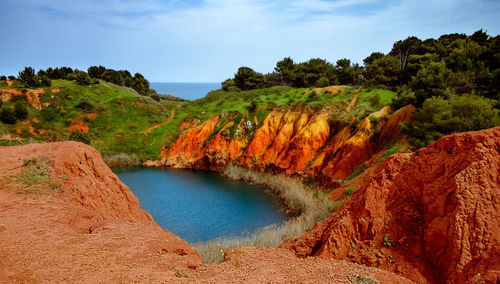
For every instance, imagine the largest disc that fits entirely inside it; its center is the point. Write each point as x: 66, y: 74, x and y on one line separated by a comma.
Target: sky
x: 207, y: 40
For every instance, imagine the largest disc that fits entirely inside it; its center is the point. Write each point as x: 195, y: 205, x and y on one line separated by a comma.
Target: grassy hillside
x: 119, y: 120
x: 114, y: 116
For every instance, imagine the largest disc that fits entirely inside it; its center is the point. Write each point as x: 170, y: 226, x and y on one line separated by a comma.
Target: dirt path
x: 147, y: 131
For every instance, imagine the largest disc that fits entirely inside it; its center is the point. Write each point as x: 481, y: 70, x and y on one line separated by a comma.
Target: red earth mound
x: 432, y: 216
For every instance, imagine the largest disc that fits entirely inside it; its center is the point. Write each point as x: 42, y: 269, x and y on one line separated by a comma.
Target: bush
x: 12, y: 77
x: 113, y: 76
x: 8, y: 115
x: 404, y: 98
x: 82, y: 78
x: 21, y: 111
x: 350, y: 190
x: 79, y: 136
x: 3, y: 78
x: 439, y: 117
x: 85, y: 104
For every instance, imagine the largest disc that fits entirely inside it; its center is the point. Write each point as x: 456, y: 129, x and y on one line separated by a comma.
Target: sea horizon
x: 185, y: 90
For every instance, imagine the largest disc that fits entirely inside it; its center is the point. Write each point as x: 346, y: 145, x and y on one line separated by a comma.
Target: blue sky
x: 206, y: 41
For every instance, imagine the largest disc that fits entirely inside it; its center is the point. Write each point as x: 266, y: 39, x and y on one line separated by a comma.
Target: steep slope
x: 289, y: 141
x: 65, y: 217
x: 432, y: 215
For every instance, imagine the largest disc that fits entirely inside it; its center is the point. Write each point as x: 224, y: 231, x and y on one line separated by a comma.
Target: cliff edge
x: 432, y: 215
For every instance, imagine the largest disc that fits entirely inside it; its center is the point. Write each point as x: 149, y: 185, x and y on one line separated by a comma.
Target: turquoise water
x: 199, y: 206
x: 187, y: 91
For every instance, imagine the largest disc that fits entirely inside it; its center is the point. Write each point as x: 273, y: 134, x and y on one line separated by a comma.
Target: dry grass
x: 312, y: 206
x: 121, y: 160
x: 36, y: 174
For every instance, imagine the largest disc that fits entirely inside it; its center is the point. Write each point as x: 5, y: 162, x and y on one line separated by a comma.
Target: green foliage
x: 85, y: 104
x: 387, y: 241
x: 359, y: 169
x: 392, y: 150
x: 362, y: 279
x: 79, y: 136
x: 3, y: 78
x: 8, y: 115
x: 82, y: 78
x: 350, y: 190
x: 28, y: 77
x: 373, y: 119
x: 96, y: 71
x: 247, y: 79
x: 20, y: 111
x: 405, y: 97
x: 229, y: 85
x: 35, y: 170
x: 439, y: 117
x: 430, y: 81
x: 112, y: 76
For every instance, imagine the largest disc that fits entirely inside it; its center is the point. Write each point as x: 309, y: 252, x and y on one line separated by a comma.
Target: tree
x: 96, y: 71
x: 20, y: 111
x: 247, y: 79
x: 439, y: 117
x: 383, y: 71
x: 229, y: 85
x: 430, y: 82
x: 28, y: 77
x: 3, y: 78
x: 140, y: 84
x: 82, y: 78
x: 372, y: 57
x: 112, y: 76
x: 285, y: 69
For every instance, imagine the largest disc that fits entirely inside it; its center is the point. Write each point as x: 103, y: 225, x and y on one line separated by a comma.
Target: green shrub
x: 439, y: 117
x: 8, y: 115
x: 374, y: 120
x: 85, y: 104
x: 21, y: 111
x: 350, y: 190
x: 387, y: 241
x: 390, y: 151
x: 79, y: 136
x: 359, y: 169
x: 82, y: 78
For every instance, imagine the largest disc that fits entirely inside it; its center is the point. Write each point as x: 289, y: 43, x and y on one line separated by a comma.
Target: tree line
x: 43, y: 78
x: 454, y: 81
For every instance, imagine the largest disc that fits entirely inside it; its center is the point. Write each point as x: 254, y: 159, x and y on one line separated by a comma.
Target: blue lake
x: 199, y: 206
x: 187, y: 91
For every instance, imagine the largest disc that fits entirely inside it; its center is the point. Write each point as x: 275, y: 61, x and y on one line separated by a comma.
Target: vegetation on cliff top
x: 453, y: 81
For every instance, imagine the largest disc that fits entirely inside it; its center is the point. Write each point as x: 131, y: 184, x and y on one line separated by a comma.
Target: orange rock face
x: 432, y: 216
x: 292, y: 142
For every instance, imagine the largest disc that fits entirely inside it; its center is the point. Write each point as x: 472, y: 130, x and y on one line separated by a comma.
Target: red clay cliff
x: 432, y: 216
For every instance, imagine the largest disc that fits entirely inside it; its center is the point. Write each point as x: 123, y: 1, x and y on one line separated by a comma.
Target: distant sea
x: 187, y: 91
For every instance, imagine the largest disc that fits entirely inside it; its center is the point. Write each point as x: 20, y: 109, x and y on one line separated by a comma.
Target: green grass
x: 359, y: 169
x: 123, y: 115
x: 392, y: 150
x: 350, y: 190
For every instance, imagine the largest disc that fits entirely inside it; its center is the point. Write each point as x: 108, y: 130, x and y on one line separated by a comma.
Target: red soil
x: 92, y: 230
x: 438, y: 206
